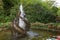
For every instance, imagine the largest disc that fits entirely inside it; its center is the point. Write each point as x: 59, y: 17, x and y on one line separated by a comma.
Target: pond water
x: 43, y: 35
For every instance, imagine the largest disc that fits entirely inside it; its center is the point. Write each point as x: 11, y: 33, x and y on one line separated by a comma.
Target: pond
x: 6, y: 35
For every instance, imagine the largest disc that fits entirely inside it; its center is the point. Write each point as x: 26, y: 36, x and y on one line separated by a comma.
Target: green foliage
x: 1, y: 12
x: 10, y: 10
x: 58, y: 12
x: 36, y: 10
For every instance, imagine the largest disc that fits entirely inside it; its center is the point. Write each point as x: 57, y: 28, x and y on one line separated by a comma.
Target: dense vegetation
x: 36, y: 10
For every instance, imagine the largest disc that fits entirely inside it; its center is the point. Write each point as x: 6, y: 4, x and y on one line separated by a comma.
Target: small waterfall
x: 22, y: 24
x: 30, y: 33
x: 22, y: 11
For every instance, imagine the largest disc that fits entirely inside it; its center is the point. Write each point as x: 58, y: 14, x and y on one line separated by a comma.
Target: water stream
x: 43, y: 35
x: 22, y: 24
